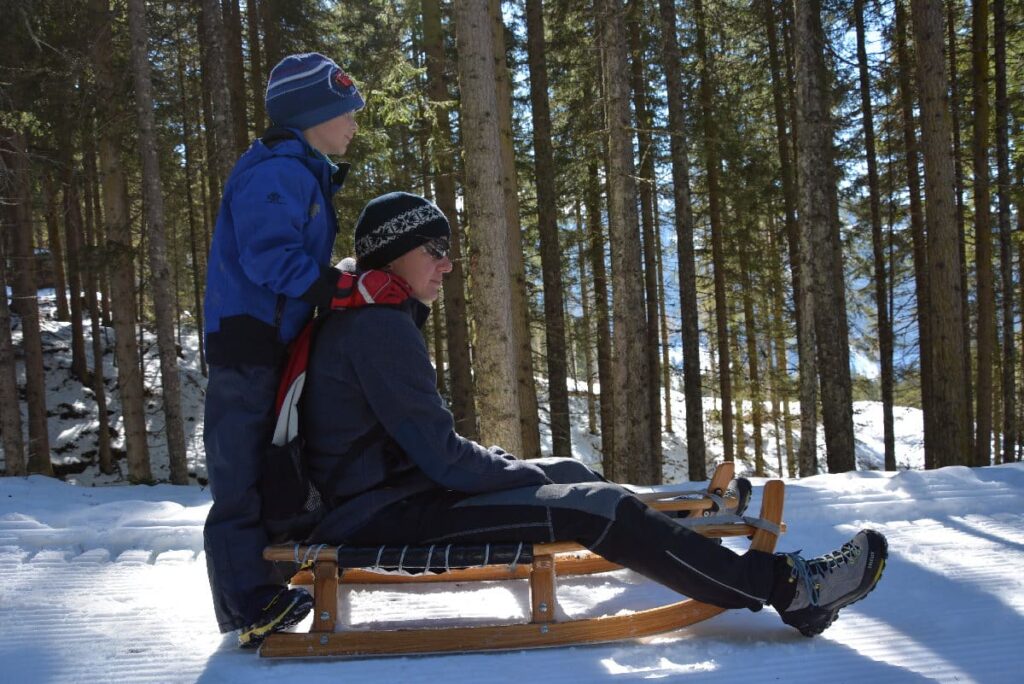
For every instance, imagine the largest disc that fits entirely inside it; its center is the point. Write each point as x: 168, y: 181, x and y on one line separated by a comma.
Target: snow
x: 108, y: 583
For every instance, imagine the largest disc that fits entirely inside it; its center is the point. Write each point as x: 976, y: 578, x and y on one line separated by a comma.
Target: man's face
x: 423, y: 270
x: 334, y: 135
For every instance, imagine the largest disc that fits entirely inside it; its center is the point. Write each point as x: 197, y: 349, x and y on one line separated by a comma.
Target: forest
x: 780, y: 205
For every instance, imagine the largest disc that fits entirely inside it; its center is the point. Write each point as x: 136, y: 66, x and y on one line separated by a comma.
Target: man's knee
x: 566, y: 470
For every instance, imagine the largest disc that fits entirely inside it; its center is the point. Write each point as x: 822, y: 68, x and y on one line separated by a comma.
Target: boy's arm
x: 270, y: 210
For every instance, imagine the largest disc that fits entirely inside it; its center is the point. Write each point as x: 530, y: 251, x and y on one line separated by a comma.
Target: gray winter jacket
x: 375, y: 427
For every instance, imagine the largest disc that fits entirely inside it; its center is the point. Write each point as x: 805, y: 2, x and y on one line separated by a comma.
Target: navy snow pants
x: 238, y: 430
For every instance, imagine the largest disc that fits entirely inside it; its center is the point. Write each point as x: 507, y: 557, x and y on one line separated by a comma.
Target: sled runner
x: 712, y: 513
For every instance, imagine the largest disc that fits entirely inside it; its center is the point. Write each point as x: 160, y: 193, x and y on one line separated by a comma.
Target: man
x: 268, y: 269
x: 382, y: 450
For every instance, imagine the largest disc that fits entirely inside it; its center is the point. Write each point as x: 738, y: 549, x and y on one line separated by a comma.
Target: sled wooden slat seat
x: 547, y: 563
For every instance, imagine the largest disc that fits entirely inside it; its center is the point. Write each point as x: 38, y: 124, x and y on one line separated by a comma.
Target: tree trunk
x: 958, y: 174
x: 817, y: 201
x: 982, y: 235
x: 235, y: 73
x: 163, y: 298
x: 215, y: 68
x: 90, y: 268
x: 547, y: 227
x: 750, y: 331
x: 644, y: 124
x: 885, y: 336
x: 605, y: 371
x: 587, y: 322
x: 693, y: 393
x: 738, y: 393
x: 917, y: 226
x: 1005, y: 238
x: 270, y: 23
x: 456, y: 319
x: 666, y: 368
x: 252, y: 17
x: 529, y: 414
x: 633, y: 461
x: 118, y: 253
x: 713, y: 164
x: 194, y: 252
x: 10, y: 410
x: 781, y: 366
x: 72, y: 212
x: 14, y: 152
x: 485, y: 205
x: 802, y: 281
x: 949, y: 410
x: 56, y: 245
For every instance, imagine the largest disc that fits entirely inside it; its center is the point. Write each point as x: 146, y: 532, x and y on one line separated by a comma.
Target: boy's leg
x: 238, y: 429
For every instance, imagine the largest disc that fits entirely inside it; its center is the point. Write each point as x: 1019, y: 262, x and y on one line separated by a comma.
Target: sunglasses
x: 437, y: 248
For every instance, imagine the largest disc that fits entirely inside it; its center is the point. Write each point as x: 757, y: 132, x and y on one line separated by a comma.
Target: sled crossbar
x: 327, y: 567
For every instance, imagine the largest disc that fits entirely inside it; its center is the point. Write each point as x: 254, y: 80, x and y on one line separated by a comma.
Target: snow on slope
x: 109, y: 584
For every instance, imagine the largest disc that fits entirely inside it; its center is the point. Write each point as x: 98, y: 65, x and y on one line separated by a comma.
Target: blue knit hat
x: 393, y: 224
x: 308, y: 89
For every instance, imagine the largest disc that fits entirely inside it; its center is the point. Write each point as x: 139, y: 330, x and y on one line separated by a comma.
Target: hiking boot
x: 821, y: 586
x: 287, y: 608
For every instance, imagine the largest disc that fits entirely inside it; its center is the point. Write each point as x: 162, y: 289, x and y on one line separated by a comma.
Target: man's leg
x: 238, y: 430
x: 601, y: 516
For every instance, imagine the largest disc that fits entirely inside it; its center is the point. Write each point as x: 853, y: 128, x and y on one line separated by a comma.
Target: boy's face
x: 334, y: 135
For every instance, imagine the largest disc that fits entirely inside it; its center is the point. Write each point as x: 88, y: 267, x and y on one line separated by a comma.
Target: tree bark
x: 235, y: 73
x: 587, y: 321
x: 10, y: 409
x: 982, y: 235
x: 713, y: 164
x: 645, y: 186
x: 958, y: 175
x: 633, y: 461
x: 750, y: 331
x: 917, y: 225
x: 693, y: 393
x: 194, y: 252
x: 547, y: 227
x: 948, y: 415
x: 485, y: 205
x: 119, y: 255
x: 215, y: 66
x: 817, y: 191
x: 14, y: 153
x: 1005, y: 237
x: 602, y: 319
x: 885, y: 335
x: 526, y: 388
x: 456, y: 319
x: 72, y: 213
x: 163, y: 298
x: 252, y: 17
x: 56, y: 245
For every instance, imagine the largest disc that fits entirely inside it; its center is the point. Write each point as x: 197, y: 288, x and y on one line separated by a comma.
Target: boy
x: 268, y: 269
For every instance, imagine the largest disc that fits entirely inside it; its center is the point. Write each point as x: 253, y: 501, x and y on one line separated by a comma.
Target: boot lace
x: 814, y: 571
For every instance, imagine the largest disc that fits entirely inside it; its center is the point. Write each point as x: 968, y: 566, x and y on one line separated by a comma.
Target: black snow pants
x: 581, y: 508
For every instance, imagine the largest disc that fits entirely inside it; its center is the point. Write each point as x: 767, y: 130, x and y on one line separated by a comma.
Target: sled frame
x: 549, y: 562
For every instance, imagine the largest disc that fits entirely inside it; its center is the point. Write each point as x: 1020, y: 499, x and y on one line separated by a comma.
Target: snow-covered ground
x: 108, y: 583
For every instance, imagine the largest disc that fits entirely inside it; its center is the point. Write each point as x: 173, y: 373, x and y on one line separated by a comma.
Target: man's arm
x: 394, y: 370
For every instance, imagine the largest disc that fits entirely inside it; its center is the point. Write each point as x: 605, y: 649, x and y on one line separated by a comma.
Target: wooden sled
x: 540, y: 564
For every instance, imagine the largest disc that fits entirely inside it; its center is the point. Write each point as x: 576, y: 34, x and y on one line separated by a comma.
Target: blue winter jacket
x: 375, y: 428
x: 271, y: 249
